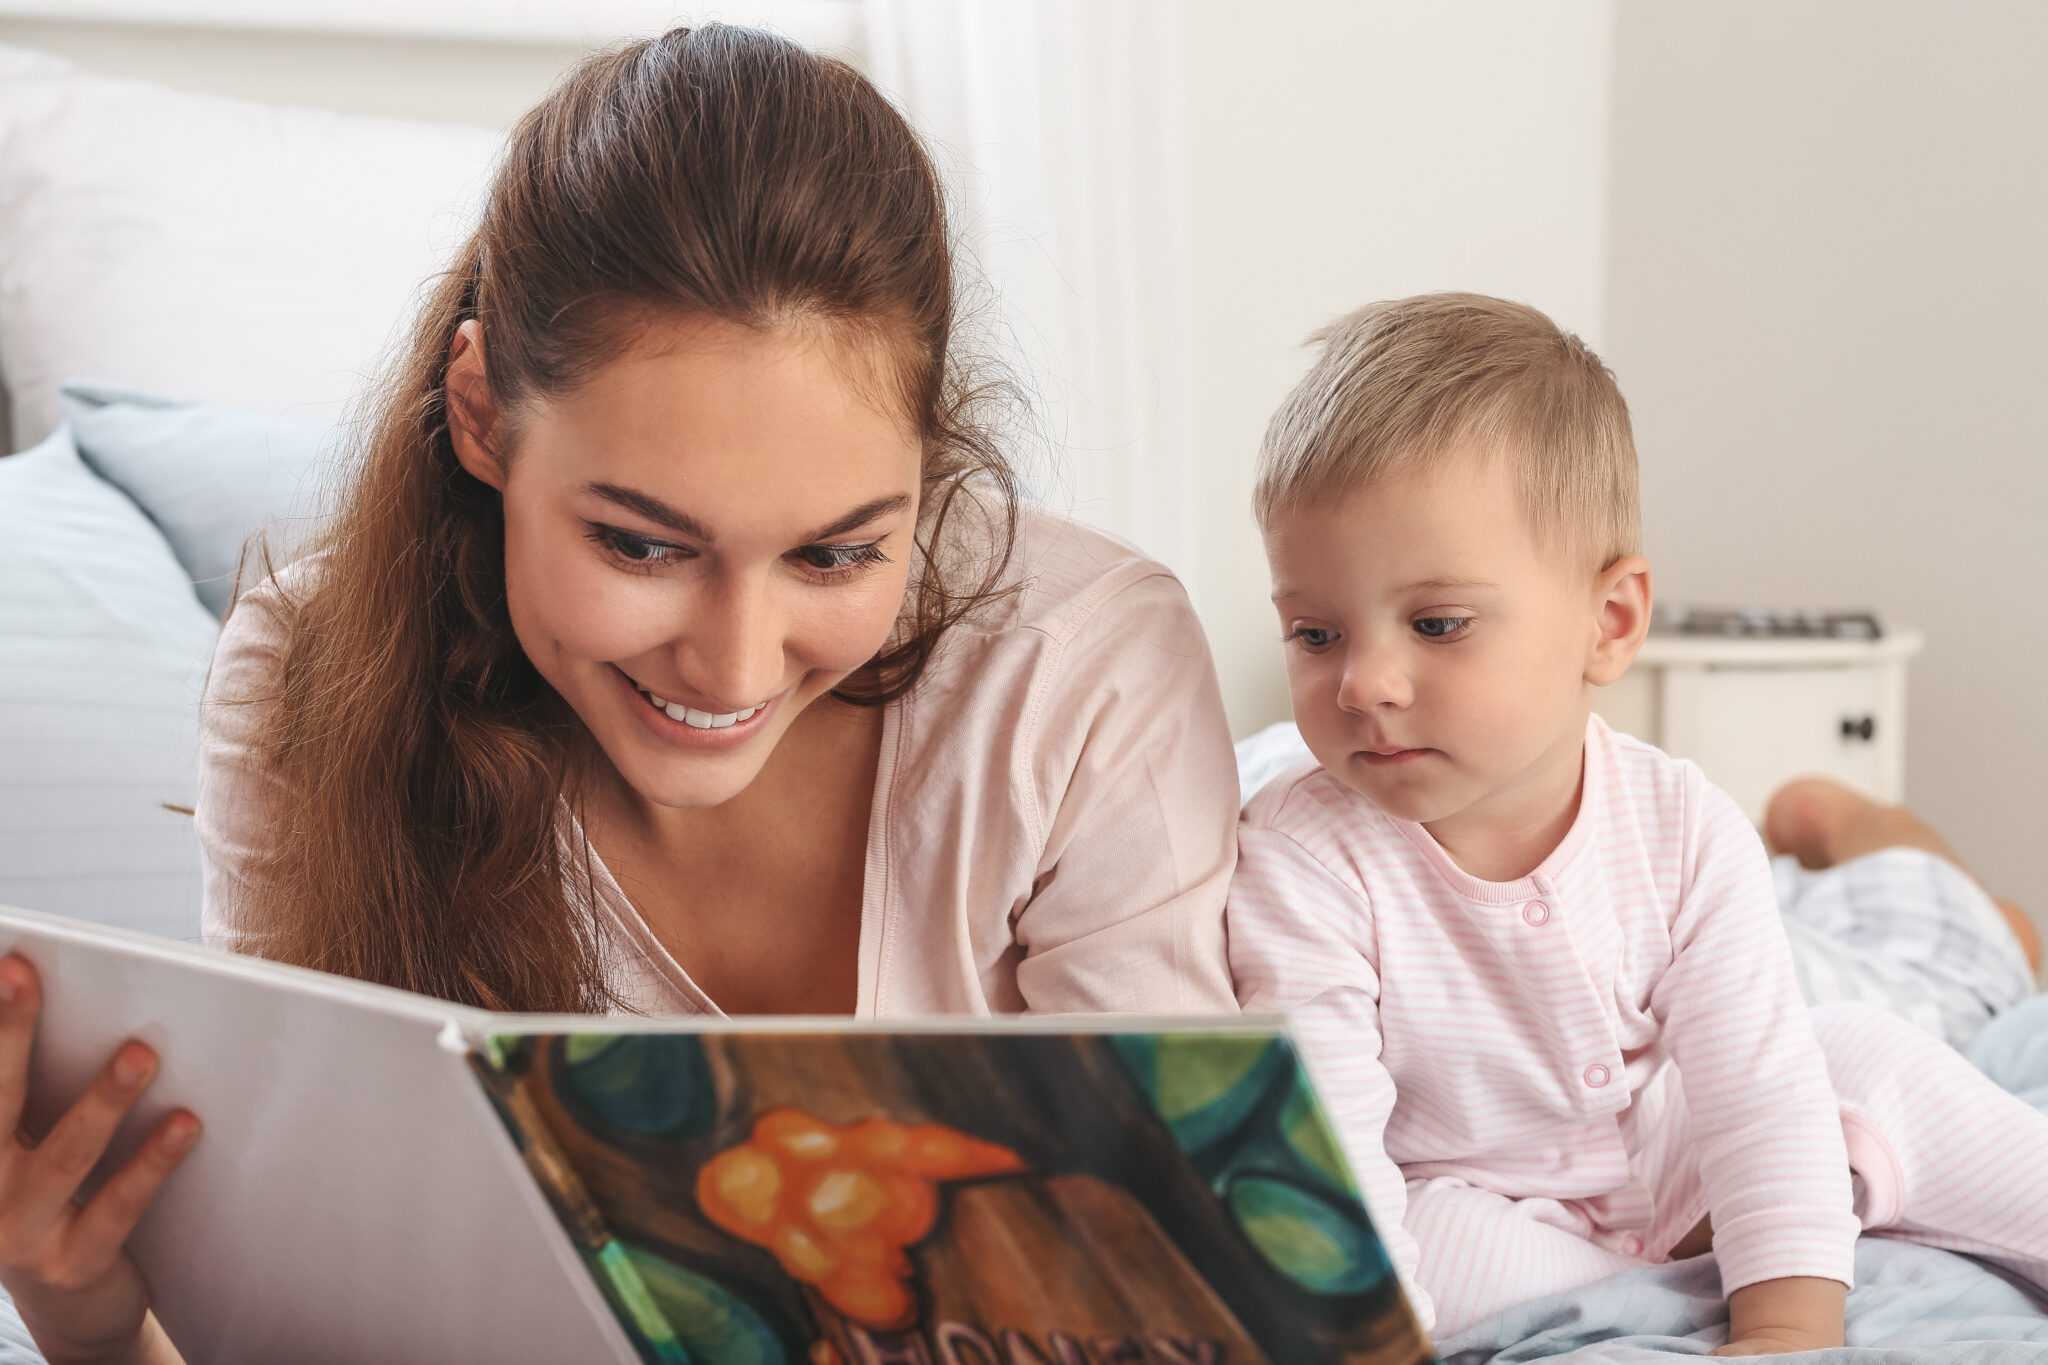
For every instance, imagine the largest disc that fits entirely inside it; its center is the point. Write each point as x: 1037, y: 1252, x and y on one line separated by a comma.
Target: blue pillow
x: 209, y: 477
x: 103, y: 654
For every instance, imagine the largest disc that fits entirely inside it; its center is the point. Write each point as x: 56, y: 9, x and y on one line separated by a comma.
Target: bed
x: 191, y: 289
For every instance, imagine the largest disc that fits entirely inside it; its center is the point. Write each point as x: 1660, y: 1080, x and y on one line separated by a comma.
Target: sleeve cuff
x: 1782, y: 1243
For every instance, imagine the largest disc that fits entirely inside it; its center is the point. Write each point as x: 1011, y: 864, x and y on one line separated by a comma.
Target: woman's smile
x: 688, y: 727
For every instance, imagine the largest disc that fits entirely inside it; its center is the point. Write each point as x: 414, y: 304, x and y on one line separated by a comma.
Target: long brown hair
x: 422, y: 761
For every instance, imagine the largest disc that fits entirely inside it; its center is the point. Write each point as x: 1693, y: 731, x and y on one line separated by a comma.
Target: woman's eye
x: 1441, y: 627
x: 838, y: 559
x: 635, y: 549
x: 1315, y: 637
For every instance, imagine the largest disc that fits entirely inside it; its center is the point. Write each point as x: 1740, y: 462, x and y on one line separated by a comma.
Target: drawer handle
x: 1854, y: 728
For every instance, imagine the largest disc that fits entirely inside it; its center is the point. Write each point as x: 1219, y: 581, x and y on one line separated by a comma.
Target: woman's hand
x: 79, y: 1294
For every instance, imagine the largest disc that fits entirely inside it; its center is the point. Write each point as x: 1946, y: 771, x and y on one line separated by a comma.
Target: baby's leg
x: 1942, y: 1155
x: 1483, y: 1252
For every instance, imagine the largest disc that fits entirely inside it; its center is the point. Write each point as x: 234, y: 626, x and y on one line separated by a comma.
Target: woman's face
x: 701, y: 540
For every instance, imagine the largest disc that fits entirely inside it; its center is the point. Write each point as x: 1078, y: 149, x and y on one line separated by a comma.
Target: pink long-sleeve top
x: 1054, y: 813
x: 1517, y: 1035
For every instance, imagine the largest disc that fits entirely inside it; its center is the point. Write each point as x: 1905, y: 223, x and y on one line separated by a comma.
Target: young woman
x: 681, y: 646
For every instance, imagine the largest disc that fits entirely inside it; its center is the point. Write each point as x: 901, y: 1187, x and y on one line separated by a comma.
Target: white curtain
x: 1062, y: 125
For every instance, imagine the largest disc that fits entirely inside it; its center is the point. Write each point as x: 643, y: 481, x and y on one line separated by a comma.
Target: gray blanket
x: 1912, y: 1305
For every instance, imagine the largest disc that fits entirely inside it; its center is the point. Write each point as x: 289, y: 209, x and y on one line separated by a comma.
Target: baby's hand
x: 1770, y: 1317
x: 1776, y: 1342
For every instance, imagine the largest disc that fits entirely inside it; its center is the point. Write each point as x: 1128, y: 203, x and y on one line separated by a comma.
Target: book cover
x: 953, y: 1198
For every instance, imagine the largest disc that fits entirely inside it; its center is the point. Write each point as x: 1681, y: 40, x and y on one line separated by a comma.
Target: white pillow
x: 209, y: 477
x: 208, y: 248
x: 103, y: 652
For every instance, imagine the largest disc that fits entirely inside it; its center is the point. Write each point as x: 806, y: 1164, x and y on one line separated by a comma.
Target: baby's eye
x: 1315, y: 637
x: 1441, y: 627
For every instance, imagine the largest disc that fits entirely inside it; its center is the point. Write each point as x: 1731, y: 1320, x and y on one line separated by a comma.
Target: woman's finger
x: 20, y: 998
x: 52, y: 1173
x: 104, y: 1223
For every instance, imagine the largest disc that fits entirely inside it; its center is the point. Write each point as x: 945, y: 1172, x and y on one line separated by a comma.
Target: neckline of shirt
x: 1545, y: 878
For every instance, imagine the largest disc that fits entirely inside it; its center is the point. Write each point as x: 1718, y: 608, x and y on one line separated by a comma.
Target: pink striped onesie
x: 1541, y: 1082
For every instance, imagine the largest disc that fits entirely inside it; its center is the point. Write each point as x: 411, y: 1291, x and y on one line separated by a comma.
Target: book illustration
x: 839, y: 1207
x: 954, y: 1199
x: 1242, y: 1111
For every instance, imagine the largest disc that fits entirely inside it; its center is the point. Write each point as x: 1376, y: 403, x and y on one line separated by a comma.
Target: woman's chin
x: 694, y: 782
x: 680, y: 771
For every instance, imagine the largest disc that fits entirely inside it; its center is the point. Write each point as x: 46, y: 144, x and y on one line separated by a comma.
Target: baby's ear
x: 1621, y: 600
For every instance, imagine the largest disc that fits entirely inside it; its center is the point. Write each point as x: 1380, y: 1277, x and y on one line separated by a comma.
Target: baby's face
x: 1437, y: 654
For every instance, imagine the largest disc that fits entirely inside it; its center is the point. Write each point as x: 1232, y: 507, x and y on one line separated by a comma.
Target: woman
x: 680, y: 646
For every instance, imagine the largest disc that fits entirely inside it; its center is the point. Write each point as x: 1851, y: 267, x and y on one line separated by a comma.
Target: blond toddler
x: 1538, y: 966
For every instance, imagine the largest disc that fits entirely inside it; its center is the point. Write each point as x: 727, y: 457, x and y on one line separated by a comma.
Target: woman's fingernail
x: 179, y: 1135
x: 8, y: 988
x: 129, y: 1067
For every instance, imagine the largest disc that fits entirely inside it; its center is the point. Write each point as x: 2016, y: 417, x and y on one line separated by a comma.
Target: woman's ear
x: 472, y: 417
x: 1622, y: 596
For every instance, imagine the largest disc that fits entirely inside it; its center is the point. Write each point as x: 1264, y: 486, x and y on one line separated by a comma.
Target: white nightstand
x: 1754, y: 713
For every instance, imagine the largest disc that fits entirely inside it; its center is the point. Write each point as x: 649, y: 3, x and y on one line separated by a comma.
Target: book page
x: 1007, y: 1195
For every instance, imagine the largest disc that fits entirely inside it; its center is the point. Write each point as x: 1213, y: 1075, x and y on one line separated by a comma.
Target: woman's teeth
x: 701, y: 720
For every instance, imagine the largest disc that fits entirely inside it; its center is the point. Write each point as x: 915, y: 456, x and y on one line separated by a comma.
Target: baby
x: 1538, y: 966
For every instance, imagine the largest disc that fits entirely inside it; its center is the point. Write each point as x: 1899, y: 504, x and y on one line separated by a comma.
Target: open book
x: 390, y: 1178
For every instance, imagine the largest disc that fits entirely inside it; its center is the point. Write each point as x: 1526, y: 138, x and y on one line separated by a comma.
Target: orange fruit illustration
x: 840, y: 1207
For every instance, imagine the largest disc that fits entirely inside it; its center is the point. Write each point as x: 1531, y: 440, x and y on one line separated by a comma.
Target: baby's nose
x: 1371, y: 682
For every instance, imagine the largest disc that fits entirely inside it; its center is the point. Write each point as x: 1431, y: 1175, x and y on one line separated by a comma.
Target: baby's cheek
x: 1484, y: 716
x: 1323, y: 725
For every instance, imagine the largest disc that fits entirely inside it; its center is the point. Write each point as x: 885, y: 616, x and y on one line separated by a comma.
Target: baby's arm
x: 1301, y: 944
x: 1765, y: 1121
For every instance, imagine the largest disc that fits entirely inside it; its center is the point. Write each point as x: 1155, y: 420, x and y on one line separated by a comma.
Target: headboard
x: 458, y: 61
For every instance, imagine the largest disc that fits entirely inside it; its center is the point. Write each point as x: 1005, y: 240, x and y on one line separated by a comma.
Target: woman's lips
x: 694, y: 729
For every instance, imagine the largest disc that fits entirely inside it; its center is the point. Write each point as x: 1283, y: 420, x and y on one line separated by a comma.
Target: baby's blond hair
x: 1403, y: 385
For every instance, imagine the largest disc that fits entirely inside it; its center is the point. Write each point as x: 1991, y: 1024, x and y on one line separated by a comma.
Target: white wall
x: 1826, y: 306
x: 1346, y: 152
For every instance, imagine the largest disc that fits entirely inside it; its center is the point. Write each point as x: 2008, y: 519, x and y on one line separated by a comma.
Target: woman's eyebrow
x: 659, y: 512
x: 861, y: 516
x: 652, y: 508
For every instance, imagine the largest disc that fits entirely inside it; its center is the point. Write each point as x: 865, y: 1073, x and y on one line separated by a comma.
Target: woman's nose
x: 1373, y: 678
x: 731, y: 648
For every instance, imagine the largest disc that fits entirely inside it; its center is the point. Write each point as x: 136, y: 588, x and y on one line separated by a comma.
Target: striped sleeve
x: 1301, y: 945
x: 1765, y: 1119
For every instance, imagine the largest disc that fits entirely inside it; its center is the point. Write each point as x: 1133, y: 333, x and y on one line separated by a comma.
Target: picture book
x: 389, y: 1177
